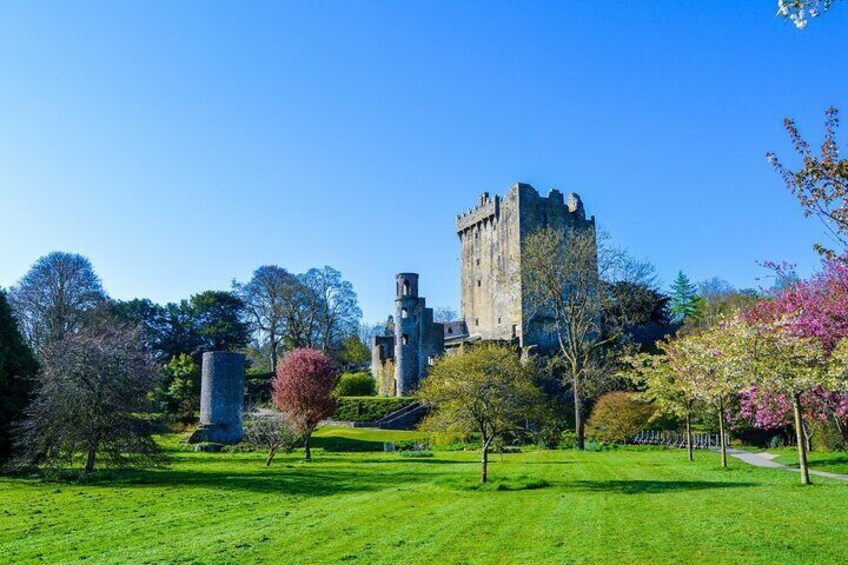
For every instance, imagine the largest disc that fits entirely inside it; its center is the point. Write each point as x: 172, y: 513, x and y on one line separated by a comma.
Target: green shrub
x: 826, y: 436
x: 356, y: 384
x: 616, y: 417
x: 367, y: 408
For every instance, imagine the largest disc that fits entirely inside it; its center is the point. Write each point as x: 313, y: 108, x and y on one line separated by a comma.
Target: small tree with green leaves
x: 179, y: 385
x: 484, y: 389
x: 713, y: 367
x: 663, y: 385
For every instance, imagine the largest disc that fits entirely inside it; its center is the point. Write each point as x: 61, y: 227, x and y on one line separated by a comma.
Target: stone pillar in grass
x: 221, y: 398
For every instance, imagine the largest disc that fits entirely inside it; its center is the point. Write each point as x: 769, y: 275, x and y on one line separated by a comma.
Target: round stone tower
x: 407, y: 333
x: 221, y: 398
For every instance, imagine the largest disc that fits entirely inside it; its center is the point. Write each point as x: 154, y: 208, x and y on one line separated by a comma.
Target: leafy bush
x: 616, y: 417
x: 826, y: 436
x: 416, y: 453
x: 356, y: 384
x: 367, y: 408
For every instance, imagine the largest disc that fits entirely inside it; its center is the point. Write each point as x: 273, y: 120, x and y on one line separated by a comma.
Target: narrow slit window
x: 404, y: 313
x: 405, y: 339
x: 406, y: 288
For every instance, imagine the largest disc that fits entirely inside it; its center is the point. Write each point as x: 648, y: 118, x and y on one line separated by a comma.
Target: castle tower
x: 493, y: 236
x: 407, y: 333
x: 221, y: 398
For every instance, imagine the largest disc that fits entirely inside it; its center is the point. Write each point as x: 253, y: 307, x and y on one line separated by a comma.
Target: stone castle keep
x: 492, y: 238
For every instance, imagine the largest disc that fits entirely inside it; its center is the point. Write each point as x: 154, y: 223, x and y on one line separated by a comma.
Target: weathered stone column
x: 221, y: 398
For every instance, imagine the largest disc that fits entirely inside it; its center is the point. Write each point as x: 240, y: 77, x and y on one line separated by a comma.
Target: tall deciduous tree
x: 92, y: 399
x: 267, y: 298
x: 485, y: 389
x: 56, y: 297
x: 17, y: 375
x: 332, y: 305
x: 566, y: 276
x: 303, y: 390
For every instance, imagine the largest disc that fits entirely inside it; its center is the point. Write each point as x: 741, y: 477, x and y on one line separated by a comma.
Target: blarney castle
x: 492, y: 237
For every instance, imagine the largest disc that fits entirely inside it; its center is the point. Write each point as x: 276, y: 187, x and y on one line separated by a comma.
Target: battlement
x: 487, y: 208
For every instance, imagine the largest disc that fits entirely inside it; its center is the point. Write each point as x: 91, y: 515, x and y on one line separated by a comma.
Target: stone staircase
x: 404, y: 419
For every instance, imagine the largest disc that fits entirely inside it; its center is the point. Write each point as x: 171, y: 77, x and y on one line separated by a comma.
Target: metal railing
x: 700, y: 440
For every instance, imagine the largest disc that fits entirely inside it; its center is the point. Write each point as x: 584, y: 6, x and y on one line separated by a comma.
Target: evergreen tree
x: 17, y: 371
x: 684, y: 299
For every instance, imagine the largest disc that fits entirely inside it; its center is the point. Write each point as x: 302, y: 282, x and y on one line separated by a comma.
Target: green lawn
x: 625, y: 506
x: 832, y: 462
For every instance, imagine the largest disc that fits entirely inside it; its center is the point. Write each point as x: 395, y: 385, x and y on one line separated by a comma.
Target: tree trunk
x: 721, y: 435
x: 308, y: 449
x: 800, y: 440
x: 579, y: 428
x: 274, y: 354
x: 689, y: 451
x: 89, y: 460
x: 271, y: 455
x: 484, y: 471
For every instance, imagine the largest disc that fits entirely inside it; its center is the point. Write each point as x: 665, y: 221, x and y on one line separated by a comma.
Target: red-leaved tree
x: 303, y: 389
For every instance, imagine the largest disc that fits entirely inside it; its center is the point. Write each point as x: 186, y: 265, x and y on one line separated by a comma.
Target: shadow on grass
x: 652, y: 486
x: 343, y: 444
x: 281, y: 478
x: 840, y: 461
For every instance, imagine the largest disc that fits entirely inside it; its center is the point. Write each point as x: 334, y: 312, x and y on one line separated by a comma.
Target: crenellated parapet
x: 488, y: 209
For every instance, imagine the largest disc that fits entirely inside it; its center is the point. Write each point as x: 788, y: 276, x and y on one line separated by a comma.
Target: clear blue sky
x: 181, y: 144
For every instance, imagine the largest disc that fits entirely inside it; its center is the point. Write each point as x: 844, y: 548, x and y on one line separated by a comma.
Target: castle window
x: 406, y: 288
x: 476, y: 321
x: 404, y: 313
x: 431, y: 360
x: 477, y: 261
x: 450, y: 330
x: 499, y: 320
x: 479, y: 282
x: 405, y: 339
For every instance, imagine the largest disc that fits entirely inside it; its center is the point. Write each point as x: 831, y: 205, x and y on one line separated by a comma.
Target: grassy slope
x: 626, y: 506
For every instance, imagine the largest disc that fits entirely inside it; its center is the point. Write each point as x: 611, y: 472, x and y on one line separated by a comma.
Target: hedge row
x: 367, y: 408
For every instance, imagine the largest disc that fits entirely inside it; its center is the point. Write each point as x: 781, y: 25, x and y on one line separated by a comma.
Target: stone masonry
x: 416, y: 342
x: 221, y: 398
